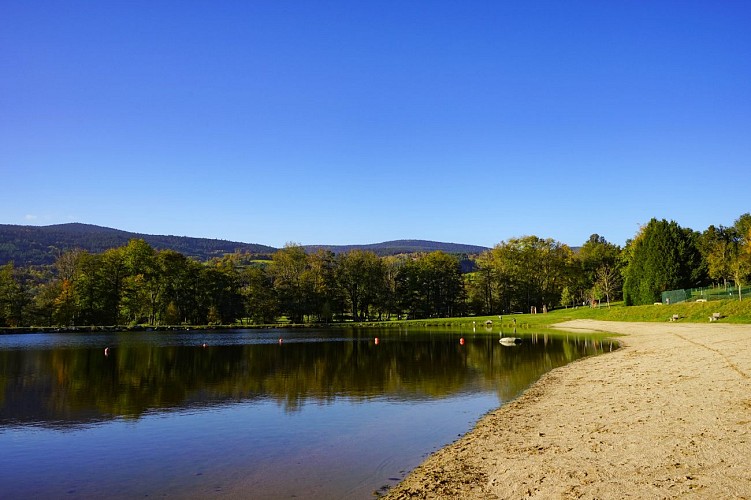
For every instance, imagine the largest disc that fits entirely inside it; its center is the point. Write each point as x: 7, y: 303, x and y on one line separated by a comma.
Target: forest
x: 136, y: 284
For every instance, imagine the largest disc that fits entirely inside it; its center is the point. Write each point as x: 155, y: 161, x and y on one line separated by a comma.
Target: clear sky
x: 350, y: 122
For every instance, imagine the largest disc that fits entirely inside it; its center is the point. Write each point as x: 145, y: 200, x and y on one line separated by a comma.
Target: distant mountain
x: 402, y: 246
x: 35, y: 245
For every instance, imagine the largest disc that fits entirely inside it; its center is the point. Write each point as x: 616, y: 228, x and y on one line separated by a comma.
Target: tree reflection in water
x: 49, y: 383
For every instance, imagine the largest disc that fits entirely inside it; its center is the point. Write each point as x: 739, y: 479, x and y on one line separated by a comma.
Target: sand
x: 667, y: 415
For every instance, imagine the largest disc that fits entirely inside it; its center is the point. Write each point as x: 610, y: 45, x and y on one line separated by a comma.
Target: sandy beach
x: 667, y: 415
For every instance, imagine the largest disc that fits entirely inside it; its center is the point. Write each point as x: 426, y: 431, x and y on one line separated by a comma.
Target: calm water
x: 321, y: 414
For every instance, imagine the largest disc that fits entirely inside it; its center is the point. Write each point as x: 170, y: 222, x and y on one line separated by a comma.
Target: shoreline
x: 667, y: 415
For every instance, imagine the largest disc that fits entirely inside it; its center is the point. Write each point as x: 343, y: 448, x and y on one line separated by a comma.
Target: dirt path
x: 668, y: 415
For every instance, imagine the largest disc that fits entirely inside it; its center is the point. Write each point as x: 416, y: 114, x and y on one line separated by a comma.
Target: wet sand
x: 668, y: 415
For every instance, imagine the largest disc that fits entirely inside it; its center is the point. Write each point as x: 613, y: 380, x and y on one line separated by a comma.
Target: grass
x: 718, y: 293
x: 731, y: 311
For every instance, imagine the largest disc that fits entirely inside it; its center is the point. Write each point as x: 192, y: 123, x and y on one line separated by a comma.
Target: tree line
x: 136, y: 284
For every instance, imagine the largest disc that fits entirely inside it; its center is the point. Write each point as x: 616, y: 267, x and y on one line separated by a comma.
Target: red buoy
x: 376, y: 341
x: 461, y: 341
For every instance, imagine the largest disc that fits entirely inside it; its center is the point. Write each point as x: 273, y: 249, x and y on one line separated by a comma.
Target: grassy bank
x: 731, y: 311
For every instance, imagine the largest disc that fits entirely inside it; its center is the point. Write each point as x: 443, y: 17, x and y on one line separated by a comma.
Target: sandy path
x: 668, y: 415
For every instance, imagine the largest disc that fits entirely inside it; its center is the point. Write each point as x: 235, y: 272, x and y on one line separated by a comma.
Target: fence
x: 704, y: 293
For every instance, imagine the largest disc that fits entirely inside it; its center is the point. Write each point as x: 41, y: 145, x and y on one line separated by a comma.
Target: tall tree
x: 287, y: 268
x: 740, y: 260
x: 387, y: 302
x: 177, y: 294
x: 431, y: 285
x: 16, y: 295
x: 220, y: 292
x: 444, y: 286
x: 607, y: 281
x: 111, y: 276
x: 663, y: 256
x: 257, y: 290
x: 532, y: 271
x: 88, y: 291
x: 63, y: 290
x: 361, y: 274
x: 9, y: 292
x: 599, y: 268
x: 715, y: 245
x: 141, y: 283
x: 485, y: 286
x: 320, y: 280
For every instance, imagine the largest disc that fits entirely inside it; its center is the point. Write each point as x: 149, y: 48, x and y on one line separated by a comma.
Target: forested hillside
x: 39, y: 245
x: 36, y: 245
x: 401, y: 246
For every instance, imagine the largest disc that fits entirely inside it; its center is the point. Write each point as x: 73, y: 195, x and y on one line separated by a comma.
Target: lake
x: 278, y: 413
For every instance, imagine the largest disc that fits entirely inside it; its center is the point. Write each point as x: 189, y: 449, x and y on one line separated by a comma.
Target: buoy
x: 106, y: 351
x: 280, y: 341
x: 204, y: 346
x: 461, y: 341
x: 376, y: 341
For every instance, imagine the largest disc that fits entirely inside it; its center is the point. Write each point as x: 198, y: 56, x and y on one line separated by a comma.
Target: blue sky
x: 358, y: 122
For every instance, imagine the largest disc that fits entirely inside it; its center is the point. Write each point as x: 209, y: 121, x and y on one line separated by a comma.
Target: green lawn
x: 732, y: 311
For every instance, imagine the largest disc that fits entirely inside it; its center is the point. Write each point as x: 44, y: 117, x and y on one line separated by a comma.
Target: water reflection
x: 69, y: 380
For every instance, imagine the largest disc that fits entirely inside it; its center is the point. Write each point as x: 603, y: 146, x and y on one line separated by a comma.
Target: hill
x: 402, y: 246
x: 38, y: 245
x: 35, y: 245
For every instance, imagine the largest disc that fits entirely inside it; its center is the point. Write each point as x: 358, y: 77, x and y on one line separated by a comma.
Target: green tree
x: 66, y: 303
x: 600, y: 266
x: 740, y: 252
x: 9, y: 290
x: 663, y: 256
x: 220, y: 292
x: 16, y: 295
x: 257, y: 290
x: 532, y: 271
x: 89, y: 308
x: 141, y: 284
x: 567, y: 298
x: 44, y: 296
x: 361, y: 275
x: 715, y: 245
x: 320, y: 279
x: 65, y: 307
x: 444, y: 290
x: 288, y: 266
x: 431, y: 286
x: 112, y: 272
x: 607, y: 281
x: 387, y: 301
x: 177, y: 301
x: 485, y: 286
